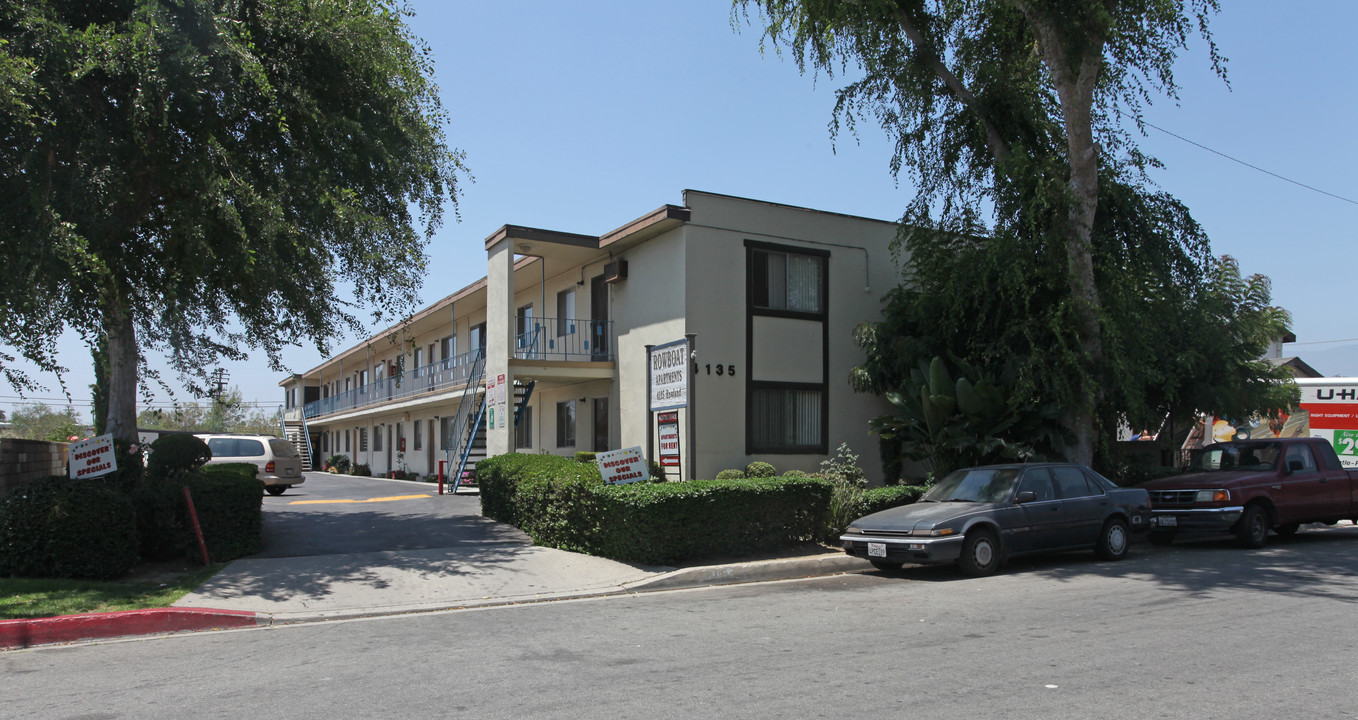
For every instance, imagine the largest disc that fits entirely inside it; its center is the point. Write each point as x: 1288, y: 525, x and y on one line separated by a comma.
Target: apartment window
x: 363, y: 439
x: 787, y: 281
x: 418, y: 445
x: 565, y: 312
x: 377, y: 438
x: 419, y: 358
x: 786, y: 418
x: 523, y: 431
x: 565, y: 424
x: 447, y: 347
x: 400, y: 435
x: 476, y: 337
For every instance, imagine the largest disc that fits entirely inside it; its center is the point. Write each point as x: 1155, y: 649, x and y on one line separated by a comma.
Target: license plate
x: 1167, y: 521
x: 876, y: 549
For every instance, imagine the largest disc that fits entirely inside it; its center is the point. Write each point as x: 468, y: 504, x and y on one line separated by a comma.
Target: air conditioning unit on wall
x: 615, y: 271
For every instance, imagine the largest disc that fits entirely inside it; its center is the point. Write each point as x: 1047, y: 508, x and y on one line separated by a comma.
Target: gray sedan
x: 978, y: 517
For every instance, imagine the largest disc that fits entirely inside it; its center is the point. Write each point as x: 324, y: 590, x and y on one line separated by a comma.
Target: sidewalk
x: 255, y: 592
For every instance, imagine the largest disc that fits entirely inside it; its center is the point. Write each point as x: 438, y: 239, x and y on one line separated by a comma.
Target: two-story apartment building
x: 558, y: 332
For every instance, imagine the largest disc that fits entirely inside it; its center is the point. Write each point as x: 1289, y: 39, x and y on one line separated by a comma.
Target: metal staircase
x: 467, y: 441
x: 462, y: 433
x: 297, y: 434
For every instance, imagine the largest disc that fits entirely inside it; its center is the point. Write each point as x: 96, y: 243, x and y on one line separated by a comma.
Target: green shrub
x: 60, y: 528
x: 131, y: 459
x: 499, y: 478
x: 160, y: 527
x: 844, y: 466
x: 362, y: 470
x: 730, y: 474
x: 673, y: 522
x: 850, y: 502
x: 565, y: 504
x: 759, y: 469
x: 658, y: 474
x: 174, y: 455
x: 585, y: 457
x: 339, y: 462
x: 229, y: 501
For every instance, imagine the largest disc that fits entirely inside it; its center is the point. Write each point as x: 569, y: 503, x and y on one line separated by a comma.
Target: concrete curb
x: 95, y: 626
x: 753, y: 571
x: 98, y: 626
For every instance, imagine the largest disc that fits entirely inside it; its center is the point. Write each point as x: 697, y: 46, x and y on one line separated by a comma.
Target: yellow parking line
x: 381, y: 499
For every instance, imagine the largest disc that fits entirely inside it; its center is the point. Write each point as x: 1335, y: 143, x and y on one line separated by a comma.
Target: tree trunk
x: 1075, y: 72
x: 123, y: 356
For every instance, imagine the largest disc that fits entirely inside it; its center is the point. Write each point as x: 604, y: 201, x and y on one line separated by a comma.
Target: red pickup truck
x: 1248, y: 487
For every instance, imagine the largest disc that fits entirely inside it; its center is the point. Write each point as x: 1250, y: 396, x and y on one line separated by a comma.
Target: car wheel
x: 1252, y: 530
x: 886, y: 565
x: 1113, y: 540
x: 980, y: 554
x: 276, y: 489
x: 1161, y: 537
x: 1288, y: 529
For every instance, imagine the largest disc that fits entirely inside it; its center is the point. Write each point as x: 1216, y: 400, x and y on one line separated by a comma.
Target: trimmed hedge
x: 61, y: 528
x: 173, y: 455
x: 879, y: 499
x: 565, y: 504
x: 229, y: 499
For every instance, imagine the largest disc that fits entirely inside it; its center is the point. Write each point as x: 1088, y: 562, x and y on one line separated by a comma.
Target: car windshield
x: 975, y: 485
x: 1243, y: 456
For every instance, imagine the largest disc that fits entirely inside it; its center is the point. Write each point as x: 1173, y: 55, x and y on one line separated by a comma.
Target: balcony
x: 556, y: 339
x: 434, y: 377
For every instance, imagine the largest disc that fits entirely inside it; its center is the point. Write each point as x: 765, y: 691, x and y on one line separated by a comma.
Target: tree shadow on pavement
x: 1319, y: 563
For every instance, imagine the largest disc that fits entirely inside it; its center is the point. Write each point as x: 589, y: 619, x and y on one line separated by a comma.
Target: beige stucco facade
x: 769, y: 294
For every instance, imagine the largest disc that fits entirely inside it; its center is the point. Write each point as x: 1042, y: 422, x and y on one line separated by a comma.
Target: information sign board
x: 92, y: 457
x: 620, y: 467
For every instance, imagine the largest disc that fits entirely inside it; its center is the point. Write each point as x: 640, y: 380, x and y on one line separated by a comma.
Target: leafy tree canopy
x: 226, y: 413
x: 198, y: 177
x: 36, y: 421
x: 1183, y: 332
x: 1013, y: 119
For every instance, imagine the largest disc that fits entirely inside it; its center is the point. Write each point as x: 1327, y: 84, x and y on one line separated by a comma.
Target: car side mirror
x: 1026, y: 496
x: 1295, y: 466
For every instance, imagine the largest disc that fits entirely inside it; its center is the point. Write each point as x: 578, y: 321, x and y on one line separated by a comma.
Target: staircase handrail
x: 471, y: 440
x: 453, y: 446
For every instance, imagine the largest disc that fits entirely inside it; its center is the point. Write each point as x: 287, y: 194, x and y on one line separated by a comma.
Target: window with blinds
x: 782, y: 419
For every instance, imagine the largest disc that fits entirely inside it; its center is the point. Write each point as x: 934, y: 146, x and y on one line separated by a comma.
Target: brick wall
x: 25, y: 460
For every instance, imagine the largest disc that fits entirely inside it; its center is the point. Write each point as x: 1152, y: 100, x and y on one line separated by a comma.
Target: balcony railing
x: 433, y: 377
x: 564, y: 339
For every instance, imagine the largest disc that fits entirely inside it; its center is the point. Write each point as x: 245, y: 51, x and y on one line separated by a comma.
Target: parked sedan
x: 978, y: 517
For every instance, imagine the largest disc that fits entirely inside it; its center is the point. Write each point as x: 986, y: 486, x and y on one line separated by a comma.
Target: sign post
x: 669, y: 384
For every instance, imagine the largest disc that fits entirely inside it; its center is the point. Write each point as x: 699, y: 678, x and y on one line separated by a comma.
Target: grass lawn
x: 147, y: 587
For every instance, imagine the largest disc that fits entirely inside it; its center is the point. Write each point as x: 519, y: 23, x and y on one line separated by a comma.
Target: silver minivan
x: 280, y: 466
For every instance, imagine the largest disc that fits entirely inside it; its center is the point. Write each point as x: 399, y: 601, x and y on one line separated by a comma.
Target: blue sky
x: 581, y: 116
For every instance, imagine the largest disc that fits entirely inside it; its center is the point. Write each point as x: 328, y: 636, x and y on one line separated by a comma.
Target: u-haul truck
x: 1331, y: 409
x: 1328, y: 409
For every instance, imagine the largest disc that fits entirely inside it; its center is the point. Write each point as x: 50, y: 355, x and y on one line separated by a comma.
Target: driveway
x: 341, y: 515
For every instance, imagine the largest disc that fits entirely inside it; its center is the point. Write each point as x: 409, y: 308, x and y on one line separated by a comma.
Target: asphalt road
x: 336, y: 515
x: 1199, y: 630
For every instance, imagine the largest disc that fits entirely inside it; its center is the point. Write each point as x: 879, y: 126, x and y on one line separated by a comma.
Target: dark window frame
x: 752, y: 385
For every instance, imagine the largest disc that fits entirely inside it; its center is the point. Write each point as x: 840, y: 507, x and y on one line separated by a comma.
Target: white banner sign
x: 669, y: 375
x: 92, y: 457
x: 620, y: 467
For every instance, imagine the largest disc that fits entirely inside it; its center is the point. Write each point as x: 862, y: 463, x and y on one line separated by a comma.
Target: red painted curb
x: 93, y: 626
